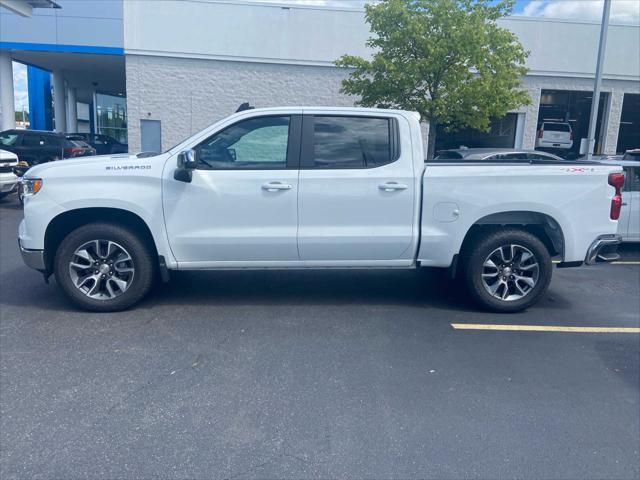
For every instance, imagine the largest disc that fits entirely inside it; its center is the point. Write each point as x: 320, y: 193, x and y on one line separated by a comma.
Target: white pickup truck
x: 307, y: 187
x: 8, y: 179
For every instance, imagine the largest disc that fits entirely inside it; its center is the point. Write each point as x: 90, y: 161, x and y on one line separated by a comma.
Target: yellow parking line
x: 544, y: 328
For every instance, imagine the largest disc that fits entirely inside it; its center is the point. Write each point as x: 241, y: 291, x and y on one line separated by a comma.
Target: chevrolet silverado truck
x: 311, y: 187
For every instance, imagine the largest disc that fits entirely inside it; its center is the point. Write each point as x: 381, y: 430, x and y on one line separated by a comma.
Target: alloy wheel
x: 101, y: 269
x: 510, y: 272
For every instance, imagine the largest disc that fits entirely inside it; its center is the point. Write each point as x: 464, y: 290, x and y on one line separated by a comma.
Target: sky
x: 622, y: 11
x: 20, y: 86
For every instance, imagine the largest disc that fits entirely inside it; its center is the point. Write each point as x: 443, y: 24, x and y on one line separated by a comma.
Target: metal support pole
x: 7, y: 103
x: 59, y: 102
x: 595, y: 100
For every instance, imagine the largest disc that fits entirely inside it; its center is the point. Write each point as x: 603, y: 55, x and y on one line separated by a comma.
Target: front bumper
x: 8, y: 182
x: 33, y: 258
x: 603, y: 249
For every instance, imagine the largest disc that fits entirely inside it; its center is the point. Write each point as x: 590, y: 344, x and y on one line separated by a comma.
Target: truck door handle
x: 275, y: 186
x: 391, y: 186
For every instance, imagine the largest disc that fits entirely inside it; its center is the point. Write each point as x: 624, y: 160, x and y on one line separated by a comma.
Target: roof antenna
x: 244, y: 106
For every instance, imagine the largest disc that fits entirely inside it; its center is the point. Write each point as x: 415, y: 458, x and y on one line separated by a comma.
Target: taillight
x: 616, y: 206
x: 571, y: 136
x: 616, y: 180
x: 73, y: 151
x: 540, y: 133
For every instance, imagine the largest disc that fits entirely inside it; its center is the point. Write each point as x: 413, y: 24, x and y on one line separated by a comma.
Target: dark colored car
x: 104, y: 144
x: 36, y: 146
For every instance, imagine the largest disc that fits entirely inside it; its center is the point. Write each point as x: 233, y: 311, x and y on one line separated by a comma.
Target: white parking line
x: 544, y: 328
x: 617, y: 262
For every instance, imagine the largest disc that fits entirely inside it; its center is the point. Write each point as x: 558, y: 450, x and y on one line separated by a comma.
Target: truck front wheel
x: 104, y: 267
x: 506, y: 270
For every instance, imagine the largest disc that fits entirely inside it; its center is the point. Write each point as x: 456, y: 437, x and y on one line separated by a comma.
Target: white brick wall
x: 187, y: 95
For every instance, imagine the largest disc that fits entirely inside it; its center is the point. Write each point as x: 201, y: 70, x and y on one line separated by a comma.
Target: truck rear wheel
x: 506, y: 270
x: 104, y: 267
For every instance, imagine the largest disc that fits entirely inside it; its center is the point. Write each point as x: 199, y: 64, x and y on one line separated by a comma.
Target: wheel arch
x: 63, y: 224
x: 541, y: 225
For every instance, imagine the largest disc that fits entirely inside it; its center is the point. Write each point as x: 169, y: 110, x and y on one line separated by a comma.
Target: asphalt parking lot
x: 317, y: 375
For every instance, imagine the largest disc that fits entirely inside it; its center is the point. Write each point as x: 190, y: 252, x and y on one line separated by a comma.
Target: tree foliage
x: 446, y: 59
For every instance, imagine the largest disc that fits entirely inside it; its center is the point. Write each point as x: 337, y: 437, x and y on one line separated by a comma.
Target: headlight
x: 30, y: 186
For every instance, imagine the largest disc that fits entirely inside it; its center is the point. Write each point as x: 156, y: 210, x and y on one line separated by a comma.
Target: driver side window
x: 252, y: 144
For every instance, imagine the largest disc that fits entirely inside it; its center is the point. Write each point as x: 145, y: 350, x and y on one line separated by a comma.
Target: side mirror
x: 187, y: 163
x: 187, y: 160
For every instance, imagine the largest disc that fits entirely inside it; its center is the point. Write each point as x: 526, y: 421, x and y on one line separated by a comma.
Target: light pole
x: 595, y: 99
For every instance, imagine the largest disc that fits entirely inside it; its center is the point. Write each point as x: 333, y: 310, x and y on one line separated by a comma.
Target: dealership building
x: 151, y: 73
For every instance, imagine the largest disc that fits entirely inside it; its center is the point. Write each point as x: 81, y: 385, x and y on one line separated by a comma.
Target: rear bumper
x: 603, y: 249
x: 33, y: 258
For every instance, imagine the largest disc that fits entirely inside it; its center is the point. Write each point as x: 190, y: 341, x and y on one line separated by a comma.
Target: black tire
x: 140, y: 253
x: 478, y: 250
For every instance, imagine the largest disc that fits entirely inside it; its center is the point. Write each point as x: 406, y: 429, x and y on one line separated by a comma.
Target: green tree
x: 446, y: 59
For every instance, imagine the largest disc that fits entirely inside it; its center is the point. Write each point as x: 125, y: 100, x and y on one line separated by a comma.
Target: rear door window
x: 557, y: 127
x: 512, y: 156
x: 540, y: 156
x: 448, y: 155
x: 336, y: 142
x: 32, y: 140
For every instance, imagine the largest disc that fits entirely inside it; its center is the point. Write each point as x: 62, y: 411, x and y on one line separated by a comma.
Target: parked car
x: 554, y: 135
x: 629, y: 223
x: 314, y: 187
x: 494, y: 155
x: 8, y: 179
x: 36, y: 146
x: 104, y: 144
x: 632, y: 154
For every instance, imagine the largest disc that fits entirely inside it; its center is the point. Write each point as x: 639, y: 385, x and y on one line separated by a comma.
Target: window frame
x: 306, y: 154
x: 294, y: 135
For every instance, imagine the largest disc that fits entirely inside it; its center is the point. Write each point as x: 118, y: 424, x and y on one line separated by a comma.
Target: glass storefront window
x: 111, y: 116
